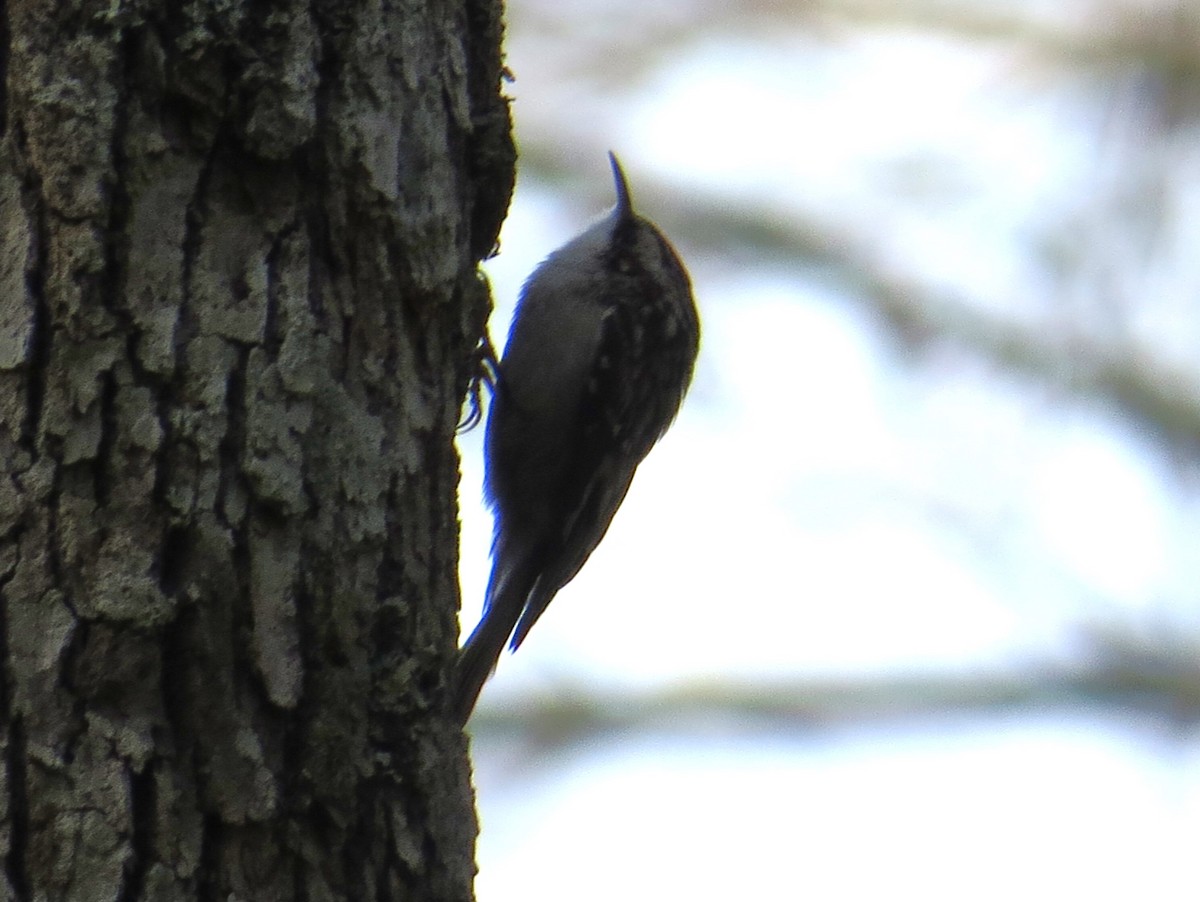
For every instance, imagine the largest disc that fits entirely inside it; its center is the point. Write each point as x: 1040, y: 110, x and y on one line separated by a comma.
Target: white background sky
x: 827, y: 504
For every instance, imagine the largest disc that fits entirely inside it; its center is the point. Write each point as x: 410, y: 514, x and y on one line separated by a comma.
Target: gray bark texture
x: 239, y: 303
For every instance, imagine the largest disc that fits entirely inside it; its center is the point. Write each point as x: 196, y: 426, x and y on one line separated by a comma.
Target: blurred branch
x: 1155, y: 398
x: 1163, y: 37
x: 1147, y: 393
x: 1124, y: 677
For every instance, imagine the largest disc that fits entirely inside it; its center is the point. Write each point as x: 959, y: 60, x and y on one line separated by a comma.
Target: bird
x: 598, y: 360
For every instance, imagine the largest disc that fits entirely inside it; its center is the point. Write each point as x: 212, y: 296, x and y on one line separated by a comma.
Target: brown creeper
x: 597, y: 363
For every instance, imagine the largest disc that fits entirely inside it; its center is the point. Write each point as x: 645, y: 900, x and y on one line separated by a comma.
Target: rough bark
x: 238, y: 305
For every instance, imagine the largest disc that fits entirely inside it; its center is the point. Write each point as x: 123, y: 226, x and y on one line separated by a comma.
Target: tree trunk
x: 238, y: 308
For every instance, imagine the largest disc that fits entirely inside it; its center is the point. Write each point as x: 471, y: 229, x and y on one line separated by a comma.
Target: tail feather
x: 476, y: 662
x: 506, y: 598
x: 538, y: 600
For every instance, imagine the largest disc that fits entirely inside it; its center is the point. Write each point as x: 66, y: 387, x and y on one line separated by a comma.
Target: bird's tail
x: 509, y: 588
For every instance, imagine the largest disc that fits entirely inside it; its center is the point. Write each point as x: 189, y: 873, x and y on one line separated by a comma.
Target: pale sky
x: 824, y: 505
